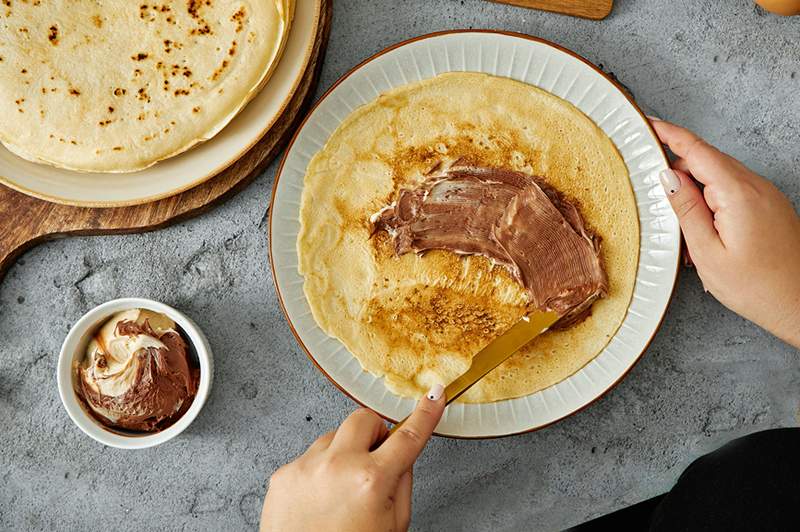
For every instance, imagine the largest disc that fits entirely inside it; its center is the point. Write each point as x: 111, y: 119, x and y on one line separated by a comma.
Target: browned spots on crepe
x: 238, y: 17
x: 218, y: 72
x: 450, y: 320
x: 345, y: 212
x: 193, y: 7
x: 149, y: 12
x: 52, y: 35
x: 500, y: 148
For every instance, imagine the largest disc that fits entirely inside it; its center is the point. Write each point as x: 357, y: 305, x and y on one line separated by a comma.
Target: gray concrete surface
x: 723, y: 68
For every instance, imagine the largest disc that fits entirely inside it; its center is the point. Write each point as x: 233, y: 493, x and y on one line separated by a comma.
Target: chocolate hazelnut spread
x: 514, y: 219
x: 136, y: 374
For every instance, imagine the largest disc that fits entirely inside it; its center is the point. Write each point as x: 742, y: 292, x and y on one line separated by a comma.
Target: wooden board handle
x: 592, y: 9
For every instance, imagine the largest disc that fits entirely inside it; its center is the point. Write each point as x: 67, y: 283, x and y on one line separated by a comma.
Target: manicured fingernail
x: 670, y: 181
x: 435, y: 393
x: 653, y: 117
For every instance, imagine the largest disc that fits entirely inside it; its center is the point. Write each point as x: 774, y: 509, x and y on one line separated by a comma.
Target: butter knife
x: 497, y: 351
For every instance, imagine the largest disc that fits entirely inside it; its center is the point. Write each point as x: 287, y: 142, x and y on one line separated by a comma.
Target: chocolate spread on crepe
x: 145, y: 390
x: 515, y: 219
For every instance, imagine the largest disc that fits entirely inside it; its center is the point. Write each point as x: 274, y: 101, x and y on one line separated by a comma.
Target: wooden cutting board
x: 593, y: 9
x: 26, y: 221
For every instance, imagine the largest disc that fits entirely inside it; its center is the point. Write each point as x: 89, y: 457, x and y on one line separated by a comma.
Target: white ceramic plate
x: 553, y: 69
x: 192, y: 167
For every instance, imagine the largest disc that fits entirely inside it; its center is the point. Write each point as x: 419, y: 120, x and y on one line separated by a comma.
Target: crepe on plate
x: 116, y: 86
x: 418, y: 319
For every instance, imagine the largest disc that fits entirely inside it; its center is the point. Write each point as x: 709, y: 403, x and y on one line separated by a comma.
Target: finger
x: 681, y: 141
x: 687, y: 257
x: 402, y: 501
x: 709, y: 192
x: 706, y: 163
x: 696, y: 219
x: 681, y: 164
x: 401, y: 449
x: 321, y: 443
x: 360, y: 430
x: 711, y: 195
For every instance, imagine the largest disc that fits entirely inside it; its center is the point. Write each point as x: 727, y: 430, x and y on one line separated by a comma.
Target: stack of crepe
x: 117, y: 86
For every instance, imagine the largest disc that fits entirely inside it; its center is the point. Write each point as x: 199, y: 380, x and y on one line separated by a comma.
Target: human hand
x: 340, y: 484
x: 742, y: 233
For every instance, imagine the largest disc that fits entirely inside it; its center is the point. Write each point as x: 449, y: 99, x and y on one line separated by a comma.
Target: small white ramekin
x: 75, y: 347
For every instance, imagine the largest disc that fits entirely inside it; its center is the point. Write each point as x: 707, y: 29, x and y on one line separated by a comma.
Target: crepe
x: 116, y: 86
x: 418, y: 319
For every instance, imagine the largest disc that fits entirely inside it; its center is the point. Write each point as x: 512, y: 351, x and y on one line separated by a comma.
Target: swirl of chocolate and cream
x: 136, y: 374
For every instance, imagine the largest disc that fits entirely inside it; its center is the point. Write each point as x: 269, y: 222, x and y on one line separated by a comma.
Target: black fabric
x: 751, y: 484
x: 633, y: 518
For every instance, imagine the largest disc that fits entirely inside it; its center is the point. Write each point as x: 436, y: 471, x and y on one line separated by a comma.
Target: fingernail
x: 670, y: 181
x: 435, y: 393
x: 653, y: 117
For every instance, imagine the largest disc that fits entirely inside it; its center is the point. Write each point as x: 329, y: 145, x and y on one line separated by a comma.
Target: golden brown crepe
x: 418, y: 319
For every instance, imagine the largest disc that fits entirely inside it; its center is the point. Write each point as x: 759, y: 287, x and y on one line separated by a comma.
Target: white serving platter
x: 553, y: 69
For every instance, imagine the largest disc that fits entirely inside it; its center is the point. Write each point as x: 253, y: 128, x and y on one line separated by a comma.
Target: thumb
x: 694, y: 215
x: 401, y: 449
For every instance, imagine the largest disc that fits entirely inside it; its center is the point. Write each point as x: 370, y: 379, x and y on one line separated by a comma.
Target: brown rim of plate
x: 216, y: 171
x: 358, y: 67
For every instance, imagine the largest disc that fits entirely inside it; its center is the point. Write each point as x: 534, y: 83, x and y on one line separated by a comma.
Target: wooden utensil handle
x: 592, y: 9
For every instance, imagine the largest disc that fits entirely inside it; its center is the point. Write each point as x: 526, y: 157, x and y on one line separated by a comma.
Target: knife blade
x: 498, y: 351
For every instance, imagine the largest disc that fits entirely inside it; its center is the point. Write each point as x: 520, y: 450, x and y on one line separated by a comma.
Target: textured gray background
x: 723, y: 68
